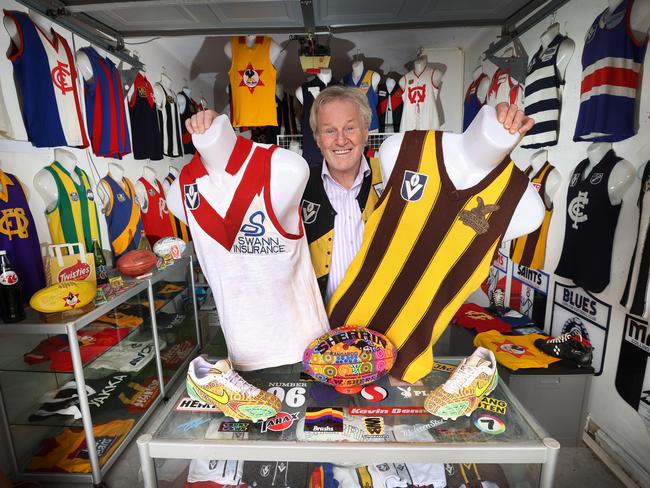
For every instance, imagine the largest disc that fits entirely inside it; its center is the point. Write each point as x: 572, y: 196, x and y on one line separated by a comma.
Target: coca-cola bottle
x: 11, y: 297
x: 100, y: 264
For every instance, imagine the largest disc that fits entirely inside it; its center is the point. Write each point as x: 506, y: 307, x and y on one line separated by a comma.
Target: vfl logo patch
x: 74, y: 196
x: 90, y: 195
x: 379, y: 188
x: 121, y: 197
x: 596, y: 178
x: 608, y: 21
x: 309, y: 211
x: 549, y: 53
x: 576, y: 207
x: 574, y: 179
x: 151, y: 192
x: 192, y: 197
x: 256, y: 226
x: 476, y: 218
x: 413, y: 186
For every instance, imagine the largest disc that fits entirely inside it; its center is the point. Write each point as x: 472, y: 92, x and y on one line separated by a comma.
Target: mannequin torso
x: 149, y: 174
x: 469, y: 157
x: 564, y: 50
x: 357, y: 71
x: 419, y: 65
x: 639, y: 16
x: 621, y: 177
x: 289, y: 175
x: 158, y: 92
x: 274, y: 49
x: 43, y: 23
x: 325, y: 76
x: 117, y: 173
x: 44, y: 181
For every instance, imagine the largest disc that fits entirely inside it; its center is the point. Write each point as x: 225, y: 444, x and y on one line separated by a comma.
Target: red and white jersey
x: 504, y: 88
x: 261, y: 276
x: 155, y: 216
x: 422, y: 109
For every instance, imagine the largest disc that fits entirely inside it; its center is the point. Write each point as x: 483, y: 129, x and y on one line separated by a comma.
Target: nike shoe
x: 474, y: 378
x: 220, y: 385
x: 570, y: 345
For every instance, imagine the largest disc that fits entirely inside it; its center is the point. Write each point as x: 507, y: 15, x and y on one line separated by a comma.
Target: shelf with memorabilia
x: 59, y: 396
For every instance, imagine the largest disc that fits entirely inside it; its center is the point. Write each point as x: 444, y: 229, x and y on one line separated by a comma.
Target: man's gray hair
x: 343, y: 93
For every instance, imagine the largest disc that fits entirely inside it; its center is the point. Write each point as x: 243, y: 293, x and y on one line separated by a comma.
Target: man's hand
x: 200, y: 121
x: 512, y: 118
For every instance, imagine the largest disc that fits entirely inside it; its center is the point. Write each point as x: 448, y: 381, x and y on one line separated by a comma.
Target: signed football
x: 349, y: 357
x: 169, y: 245
x: 63, y: 296
x: 137, y: 262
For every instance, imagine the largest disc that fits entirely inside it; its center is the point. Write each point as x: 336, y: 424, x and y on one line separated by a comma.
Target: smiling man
x: 342, y: 193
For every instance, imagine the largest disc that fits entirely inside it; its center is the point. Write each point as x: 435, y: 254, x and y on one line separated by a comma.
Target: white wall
x: 608, y: 409
x: 23, y: 160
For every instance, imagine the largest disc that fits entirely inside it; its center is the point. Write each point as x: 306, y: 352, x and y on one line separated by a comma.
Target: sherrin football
x: 349, y: 357
x: 137, y: 262
x: 169, y: 245
x: 63, y: 296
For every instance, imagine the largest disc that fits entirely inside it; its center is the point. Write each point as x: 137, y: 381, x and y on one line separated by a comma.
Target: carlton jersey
x: 68, y: 451
x: 122, y: 215
x: 390, y: 106
x: 504, y: 88
x: 18, y: 235
x: 74, y: 217
x: 252, y: 83
x: 365, y: 85
x: 612, y: 63
x: 155, y: 216
x: 530, y: 250
x: 261, y: 276
x: 105, y: 112
x: 472, y: 104
x: 542, y: 96
x: 310, y: 90
x: 170, y: 124
x: 178, y: 227
x: 590, y: 226
x: 636, y: 297
x: 515, y: 351
x: 46, y: 80
x: 145, y: 131
x: 422, y: 107
x: 426, y: 248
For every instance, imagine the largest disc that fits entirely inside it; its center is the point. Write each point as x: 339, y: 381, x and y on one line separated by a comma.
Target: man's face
x: 341, y: 136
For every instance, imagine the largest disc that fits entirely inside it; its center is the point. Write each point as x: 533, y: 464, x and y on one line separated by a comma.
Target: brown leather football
x: 137, y: 262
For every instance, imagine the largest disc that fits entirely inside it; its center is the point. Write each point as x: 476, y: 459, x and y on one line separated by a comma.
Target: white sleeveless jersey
x: 422, y: 109
x: 261, y: 276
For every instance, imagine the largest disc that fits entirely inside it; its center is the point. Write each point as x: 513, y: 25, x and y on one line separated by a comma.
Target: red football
x: 136, y: 263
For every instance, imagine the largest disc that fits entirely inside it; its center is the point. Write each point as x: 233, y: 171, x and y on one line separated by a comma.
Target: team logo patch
x: 575, y: 324
x: 61, y: 77
x: 255, y: 227
x: 476, y: 218
x: 596, y: 178
x: 365, y: 85
x: 514, y: 349
x: 142, y: 92
x: 576, y: 209
x: 574, y: 179
x: 121, y: 197
x: 251, y: 78
x: 151, y: 192
x: 416, y: 94
x: 90, y: 195
x: 74, y: 196
x: 309, y: 211
x: 14, y: 222
x: 192, y: 197
x: 413, y: 186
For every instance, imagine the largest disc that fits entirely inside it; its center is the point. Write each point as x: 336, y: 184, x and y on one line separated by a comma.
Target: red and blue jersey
x: 105, y: 112
x: 46, y: 80
x: 612, y: 60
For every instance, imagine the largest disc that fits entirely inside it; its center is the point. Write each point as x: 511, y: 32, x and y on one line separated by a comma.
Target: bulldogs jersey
x: 472, y: 104
x: 178, y: 227
x: 365, y: 85
x: 46, y: 79
x: 74, y: 217
x: 155, y: 216
x: 590, y: 226
x: 105, y: 112
x: 504, y: 88
x: 145, y: 131
x: 636, y: 297
x: 426, y: 248
x: 421, y: 103
x: 18, y: 235
x: 252, y: 82
x: 170, y: 124
x: 612, y: 62
x: 122, y: 215
x: 542, y: 96
x: 261, y: 275
x: 530, y: 250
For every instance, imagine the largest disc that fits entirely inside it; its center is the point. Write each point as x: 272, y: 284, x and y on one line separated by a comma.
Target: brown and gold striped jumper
x: 425, y: 249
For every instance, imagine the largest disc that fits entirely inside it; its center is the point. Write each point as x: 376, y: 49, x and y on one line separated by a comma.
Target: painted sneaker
x: 474, y: 378
x: 220, y: 385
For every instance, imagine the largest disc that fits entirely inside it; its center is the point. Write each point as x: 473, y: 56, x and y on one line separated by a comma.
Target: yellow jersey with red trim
x: 515, y: 351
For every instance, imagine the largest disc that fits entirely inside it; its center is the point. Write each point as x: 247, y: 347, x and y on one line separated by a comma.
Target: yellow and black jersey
x: 426, y: 248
